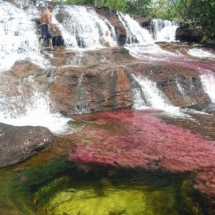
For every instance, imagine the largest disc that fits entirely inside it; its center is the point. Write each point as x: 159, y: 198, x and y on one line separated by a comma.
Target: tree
x: 162, y: 9
x: 138, y: 7
x: 200, y: 14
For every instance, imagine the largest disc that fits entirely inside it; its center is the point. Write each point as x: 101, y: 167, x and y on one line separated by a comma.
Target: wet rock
x: 58, y: 41
x: 90, y: 89
x: 182, y: 87
x: 187, y: 34
x: 19, y: 143
x: 23, y: 69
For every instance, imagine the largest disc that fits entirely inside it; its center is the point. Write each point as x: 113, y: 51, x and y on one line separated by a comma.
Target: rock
x: 23, y: 69
x: 187, y: 34
x: 90, y: 89
x: 182, y: 87
x: 19, y: 143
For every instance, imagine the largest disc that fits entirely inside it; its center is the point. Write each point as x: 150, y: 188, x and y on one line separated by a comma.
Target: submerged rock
x: 19, y: 143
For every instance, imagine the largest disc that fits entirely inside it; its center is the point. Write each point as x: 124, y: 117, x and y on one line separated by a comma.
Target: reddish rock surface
x: 94, y: 88
x: 167, y: 76
x: 103, y: 80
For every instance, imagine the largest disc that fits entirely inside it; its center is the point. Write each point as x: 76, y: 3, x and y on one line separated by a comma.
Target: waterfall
x: 151, y: 97
x: 208, y: 82
x: 19, y: 40
x: 30, y: 107
x: 141, y: 42
x: 134, y: 32
x: 82, y: 26
x: 163, y: 30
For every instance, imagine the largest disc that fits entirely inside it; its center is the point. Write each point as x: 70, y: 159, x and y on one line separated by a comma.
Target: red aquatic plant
x: 138, y: 139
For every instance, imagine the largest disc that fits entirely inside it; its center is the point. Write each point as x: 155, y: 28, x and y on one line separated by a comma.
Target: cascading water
x: 19, y: 41
x: 141, y: 42
x: 31, y: 108
x: 153, y: 97
x: 82, y: 27
x: 82, y: 107
x: 163, y: 30
x: 208, y: 82
x: 200, y: 53
x: 18, y: 38
x: 134, y: 32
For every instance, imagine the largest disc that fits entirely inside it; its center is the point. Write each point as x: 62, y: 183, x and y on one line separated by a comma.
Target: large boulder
x: 187, y: 34
x: 19, y: 143
x: 90, y: 89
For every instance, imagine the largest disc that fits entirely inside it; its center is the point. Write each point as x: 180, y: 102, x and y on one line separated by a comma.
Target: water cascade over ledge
x: 130, y: 127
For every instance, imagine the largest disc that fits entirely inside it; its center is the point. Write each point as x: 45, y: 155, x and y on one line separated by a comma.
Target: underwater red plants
x: 138, y: 139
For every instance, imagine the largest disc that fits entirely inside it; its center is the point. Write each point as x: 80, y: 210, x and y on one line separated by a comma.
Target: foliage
x: 163, y: 9
x: 197, y: 13
x: 138, y: 7
x: 119, y: 5
x: 84, y: 2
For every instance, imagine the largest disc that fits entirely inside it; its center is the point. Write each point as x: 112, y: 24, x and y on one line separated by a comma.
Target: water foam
x: 18, y: 38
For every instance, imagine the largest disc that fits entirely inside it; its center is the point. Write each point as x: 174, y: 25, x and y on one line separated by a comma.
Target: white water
x: 164, y: 30
x: 31, y: 108
x: 18, y: 38
x: 134, y: 32
x: 141, y: 42
x: 180, y: 88
x: 197, y: 52
x: 82, y: 23
x: 19, y: 41
x: 153, y: 96
x: 208, y: 82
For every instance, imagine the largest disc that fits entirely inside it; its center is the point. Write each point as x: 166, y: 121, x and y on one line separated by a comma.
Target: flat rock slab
x: 18, y: 143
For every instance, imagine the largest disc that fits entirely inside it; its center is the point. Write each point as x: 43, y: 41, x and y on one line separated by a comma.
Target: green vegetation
x: 197, y: 13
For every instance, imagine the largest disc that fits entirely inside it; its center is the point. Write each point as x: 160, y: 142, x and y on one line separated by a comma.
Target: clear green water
x: 58, y: 187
